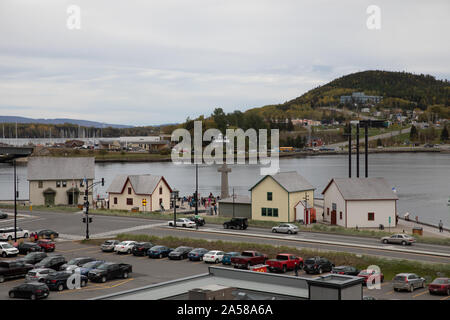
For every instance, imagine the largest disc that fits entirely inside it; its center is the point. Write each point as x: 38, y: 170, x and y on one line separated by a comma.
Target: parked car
x: 46, y: 245
x: 47, y: 234
x: 159, y: 252
x: 53, y: 262
x: 38, y: 275
x: 284, y: 262
x: 366, y: 274
x: 110, y: 270
x: 440, y: 285
x: 407, y: 281
x: 236, y: 223
x: 180, y: 253
x: 8, y: 233
x: 31, y: 291
x: 183, y: 222
x: 33, y: 257
x: 197, y: 254
x: 141, y: 248
x: 3, y: 215
x: 400, y: 238
x: 13, y: 269
x: 109, y: 245
x: 346, y: 270
x: 75, y: 263
x: 124, y: 247
x: 286, y: 228
x: 85, y: 268
x: 226, y: 260
x: 317, y: 265
x: 27, y: 247
x: 197, y: 219
x: 247, y: 259
x: 214, y: 256
x: 57, y: 281
x: 7, y: 250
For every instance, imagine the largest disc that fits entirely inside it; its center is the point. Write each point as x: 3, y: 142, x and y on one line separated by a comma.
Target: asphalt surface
x: 151, y: 271
x: 70, y: 227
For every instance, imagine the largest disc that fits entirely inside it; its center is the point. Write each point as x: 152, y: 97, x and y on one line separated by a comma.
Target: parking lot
x: 151, y: 271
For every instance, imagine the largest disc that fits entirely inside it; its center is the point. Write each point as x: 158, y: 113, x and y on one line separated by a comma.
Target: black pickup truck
x: 110, y: 270
x: 13, y: 269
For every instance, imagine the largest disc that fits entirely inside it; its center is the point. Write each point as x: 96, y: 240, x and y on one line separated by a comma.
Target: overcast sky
x: 160, y: 61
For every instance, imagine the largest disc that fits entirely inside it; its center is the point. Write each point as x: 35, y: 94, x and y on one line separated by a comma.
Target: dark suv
x: 236, y: 223
x: 53, y: 262
x: 33, y: 257
x: 317, y: 265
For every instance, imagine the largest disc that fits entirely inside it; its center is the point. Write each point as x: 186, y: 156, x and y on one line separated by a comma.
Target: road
x: 70, y: 227
x: 372, y: 138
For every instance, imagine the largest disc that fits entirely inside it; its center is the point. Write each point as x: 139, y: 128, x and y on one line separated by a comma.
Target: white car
x: 124, y: 247
x: 183, y: 222
x: 8, y: 233
x: 7, y: 250
x: 213, y: 256
x: 38, y: 275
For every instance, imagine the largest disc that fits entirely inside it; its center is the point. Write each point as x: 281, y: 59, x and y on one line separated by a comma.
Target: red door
x: 306, y: 216
x: 333, y: 217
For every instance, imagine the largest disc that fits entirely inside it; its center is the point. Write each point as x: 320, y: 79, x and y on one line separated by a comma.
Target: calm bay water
x: 422, y: 180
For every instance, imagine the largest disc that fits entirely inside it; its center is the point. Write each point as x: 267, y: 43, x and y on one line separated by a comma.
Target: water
x: 422, y: 180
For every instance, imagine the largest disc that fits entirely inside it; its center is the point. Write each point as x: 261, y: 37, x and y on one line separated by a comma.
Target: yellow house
x: 147, y: 192
x: 275, y: 198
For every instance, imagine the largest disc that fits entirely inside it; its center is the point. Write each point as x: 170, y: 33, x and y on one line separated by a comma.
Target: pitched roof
x: 59, y: 168
x: 291, y: 181
x: 363, y: 189
x: 142, y: 184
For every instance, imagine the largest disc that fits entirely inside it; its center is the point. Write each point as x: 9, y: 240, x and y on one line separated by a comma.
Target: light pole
x: 174, y: 197
x: 196, y: 189
x: 15, y: 202
x: 88, y: 220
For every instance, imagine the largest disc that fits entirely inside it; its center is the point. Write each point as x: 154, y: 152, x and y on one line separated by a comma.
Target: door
x: 333, y: 217
x: 306, y: 216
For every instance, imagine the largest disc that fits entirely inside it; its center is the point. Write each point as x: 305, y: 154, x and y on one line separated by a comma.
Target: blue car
x: 85, y: 268
x: 159, y: 252
x: 197, y: 254
x: 227, y: 257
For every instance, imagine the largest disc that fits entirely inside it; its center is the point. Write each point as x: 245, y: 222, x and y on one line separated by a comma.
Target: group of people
x: 209, y: 202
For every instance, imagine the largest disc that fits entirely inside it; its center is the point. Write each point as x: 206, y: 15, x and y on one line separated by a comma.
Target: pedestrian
x: 35, y: 236
x: 196, y: 224
x: 441, y: 226
x: 296, y: 269
x: 215, y: 209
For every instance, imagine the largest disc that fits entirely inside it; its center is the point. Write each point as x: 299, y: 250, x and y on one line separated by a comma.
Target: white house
x: 360, y: 202
x: 147, y: 192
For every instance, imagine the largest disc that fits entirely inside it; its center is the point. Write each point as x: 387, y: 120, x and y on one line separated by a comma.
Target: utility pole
x: 233, y: 202
x: 15, y: 202
x: 357, y: 150
x: 196, y: 189
x: 349, y: 150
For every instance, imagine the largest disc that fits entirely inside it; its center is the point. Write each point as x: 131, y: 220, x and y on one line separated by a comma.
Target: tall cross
x: 224, y: 193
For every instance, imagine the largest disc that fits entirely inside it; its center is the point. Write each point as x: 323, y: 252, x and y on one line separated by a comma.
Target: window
x: 340, y: 215
x: 64, y: 184
x: 263, y: 212
x: 269, y: 196
x: 40, y: 184
x: 275, y: 212
x: 371, y: 216
x: 58, y: 184
x: 129, y: 190
x: 160, y: 190
x: 129, y: 201
x: 115, y: 200
x: 160, y: 200
x: 269, y: 212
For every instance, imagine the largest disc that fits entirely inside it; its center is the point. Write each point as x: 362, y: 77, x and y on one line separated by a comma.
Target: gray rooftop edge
x: 56, y: 168
x: 363, y: 188
x: 291, y: 181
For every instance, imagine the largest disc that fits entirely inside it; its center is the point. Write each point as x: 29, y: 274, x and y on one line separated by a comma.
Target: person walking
x: 215, y: 209
x: 296, y: 269
x: 441, y: 226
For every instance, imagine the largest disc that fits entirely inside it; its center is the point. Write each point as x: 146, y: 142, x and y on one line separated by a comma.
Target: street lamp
x: 174, y: 197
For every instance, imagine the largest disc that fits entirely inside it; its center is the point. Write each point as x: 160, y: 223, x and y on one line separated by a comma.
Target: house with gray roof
x: 277, y: 197
x: 59, y: 180
x: 360, y: 202
x: 145, y: 192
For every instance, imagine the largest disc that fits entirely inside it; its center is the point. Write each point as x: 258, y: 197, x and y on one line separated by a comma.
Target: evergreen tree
x: 444, y: 134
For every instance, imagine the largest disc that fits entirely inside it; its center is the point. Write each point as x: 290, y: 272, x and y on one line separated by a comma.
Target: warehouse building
x: 240, y: 206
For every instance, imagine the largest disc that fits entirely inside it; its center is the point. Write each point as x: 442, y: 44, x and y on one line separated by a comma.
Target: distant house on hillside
x: 360, y: 97
x: 128, y: 191
x: 59, y: 181
x: 359, y: 202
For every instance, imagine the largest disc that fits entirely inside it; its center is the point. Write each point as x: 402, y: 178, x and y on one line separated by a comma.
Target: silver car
x: 407, y: 281
x: 108, y: 245
x: 38, y: 275
x: 400, y: 238
x: 285, y: 228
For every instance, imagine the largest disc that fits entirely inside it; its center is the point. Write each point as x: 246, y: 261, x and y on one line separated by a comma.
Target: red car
x: 440, y: 285
x: 46, y: 245
x: 247, y: 259
x: 284, y: 262
x: 370, y: 273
